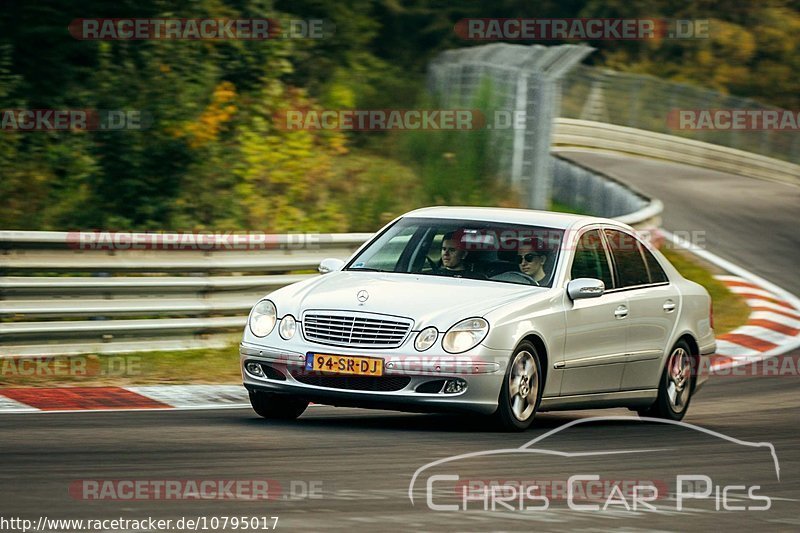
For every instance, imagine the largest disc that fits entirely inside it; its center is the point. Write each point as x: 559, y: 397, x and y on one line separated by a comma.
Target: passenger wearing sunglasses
x: 531, y: 257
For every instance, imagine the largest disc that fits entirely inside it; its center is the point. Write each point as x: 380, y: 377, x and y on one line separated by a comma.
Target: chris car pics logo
x: 443, y: 487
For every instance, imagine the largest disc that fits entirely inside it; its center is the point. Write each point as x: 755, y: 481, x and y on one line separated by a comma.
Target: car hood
x: 428, y: 300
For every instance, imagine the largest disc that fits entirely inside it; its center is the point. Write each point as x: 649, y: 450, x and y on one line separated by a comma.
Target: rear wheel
x: 675, y: 387
x: 521, y: 391
x: 277, y: 407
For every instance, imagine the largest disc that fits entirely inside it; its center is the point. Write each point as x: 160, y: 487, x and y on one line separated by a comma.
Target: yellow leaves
x: 704, y: 58
x: 732, y: 40
x: 778, y: 31
x: 340, y: 95
x: 290, y: 180
x: 743, y: 58
x: 287, y: 174
x: 338, y: 144
x: 225, y: 92
x: 220, y: 111
x: 726, y: 75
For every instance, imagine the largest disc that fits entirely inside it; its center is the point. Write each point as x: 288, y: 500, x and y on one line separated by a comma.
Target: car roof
x: 528, y: 217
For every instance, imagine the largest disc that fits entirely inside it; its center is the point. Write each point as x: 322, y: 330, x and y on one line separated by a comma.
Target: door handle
x: 621, y: 312
x: 669, y: 306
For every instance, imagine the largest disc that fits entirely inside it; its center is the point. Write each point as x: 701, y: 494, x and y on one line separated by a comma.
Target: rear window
x: 657, y: 274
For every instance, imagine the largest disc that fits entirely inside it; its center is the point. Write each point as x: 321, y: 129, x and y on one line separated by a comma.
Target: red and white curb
x: 773, y: 328
x: 72, y: 399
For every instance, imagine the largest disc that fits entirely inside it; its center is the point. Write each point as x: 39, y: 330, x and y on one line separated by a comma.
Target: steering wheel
x: 432, y: 264
x: 515, y: 277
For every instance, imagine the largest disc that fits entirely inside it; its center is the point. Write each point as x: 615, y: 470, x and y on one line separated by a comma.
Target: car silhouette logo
x: 362, y: 296
x: 532, y: 447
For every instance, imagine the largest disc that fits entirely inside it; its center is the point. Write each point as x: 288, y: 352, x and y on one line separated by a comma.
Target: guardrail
x: 61, y: 295
x: 594, y: 192
x: 586, y: 134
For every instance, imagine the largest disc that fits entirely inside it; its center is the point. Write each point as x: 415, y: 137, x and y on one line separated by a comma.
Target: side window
x: 590, y: 259
x: 631, y: 268
x: 657, y: 274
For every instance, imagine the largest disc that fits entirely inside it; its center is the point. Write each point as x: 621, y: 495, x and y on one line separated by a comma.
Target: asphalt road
x: 358, y: 464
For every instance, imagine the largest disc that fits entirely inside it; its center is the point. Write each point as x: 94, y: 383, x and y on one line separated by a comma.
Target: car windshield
x: 504, y: 253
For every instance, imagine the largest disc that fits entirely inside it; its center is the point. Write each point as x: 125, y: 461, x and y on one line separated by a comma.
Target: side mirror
x: 585, y: 288
x: 330, y: 264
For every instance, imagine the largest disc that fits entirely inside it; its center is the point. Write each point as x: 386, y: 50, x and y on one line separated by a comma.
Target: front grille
x: 366, y: 383
x: 355, y: 329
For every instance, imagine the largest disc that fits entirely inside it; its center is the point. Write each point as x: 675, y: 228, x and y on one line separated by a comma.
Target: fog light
x: 254, y: 369
x: 454, y: 386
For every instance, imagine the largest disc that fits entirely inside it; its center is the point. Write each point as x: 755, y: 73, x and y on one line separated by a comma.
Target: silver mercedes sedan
x: 499, y: 312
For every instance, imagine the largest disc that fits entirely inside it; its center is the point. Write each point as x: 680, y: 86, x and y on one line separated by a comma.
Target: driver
x: 531, y: 256
x: 452, y: 256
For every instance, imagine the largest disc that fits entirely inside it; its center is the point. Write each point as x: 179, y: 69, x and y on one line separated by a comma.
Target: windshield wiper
x: 367, y: 269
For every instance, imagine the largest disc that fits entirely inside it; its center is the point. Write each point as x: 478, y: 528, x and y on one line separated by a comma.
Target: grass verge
x: 204, y: 366
x: 730, y: 310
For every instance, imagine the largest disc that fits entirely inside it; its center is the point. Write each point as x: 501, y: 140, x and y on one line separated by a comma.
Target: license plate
x: 344, y: 364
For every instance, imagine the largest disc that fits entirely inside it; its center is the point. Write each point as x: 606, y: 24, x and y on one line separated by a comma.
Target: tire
x: 277, y: 407
x: 675, y: 386
x: 522, y: 390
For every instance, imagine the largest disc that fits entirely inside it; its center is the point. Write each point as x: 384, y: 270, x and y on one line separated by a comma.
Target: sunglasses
x: 527, y: 257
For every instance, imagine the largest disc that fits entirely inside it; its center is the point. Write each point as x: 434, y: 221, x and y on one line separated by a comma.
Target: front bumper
x: 481, y: 368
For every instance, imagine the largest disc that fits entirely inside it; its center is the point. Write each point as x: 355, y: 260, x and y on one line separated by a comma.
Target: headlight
x: 426, y: 338
x: 262, y: 318
x: 465, y: 335
x: 288, y: 327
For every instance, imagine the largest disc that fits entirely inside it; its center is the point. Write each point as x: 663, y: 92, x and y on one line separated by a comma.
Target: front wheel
x: 675, y: 387
x: 521, y: 391
x: 277, y: 407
